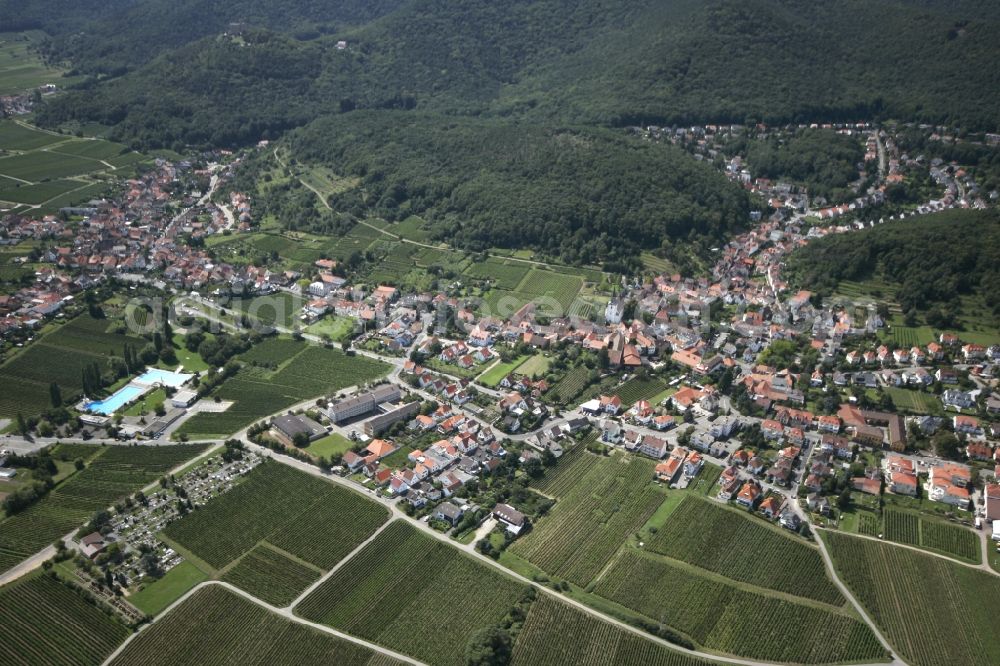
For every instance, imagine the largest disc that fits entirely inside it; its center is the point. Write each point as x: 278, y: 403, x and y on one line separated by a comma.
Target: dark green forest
x: 161, y: 69
x: 933, y: 259
x: 822, y: 161
x: 584, y: 195
x: 473, y: 113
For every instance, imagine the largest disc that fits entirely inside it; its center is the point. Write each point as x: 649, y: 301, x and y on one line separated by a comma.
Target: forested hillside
x: 822, y: 161
x: 933, y: 259
x: 582, y: 61
x: 584, y: 195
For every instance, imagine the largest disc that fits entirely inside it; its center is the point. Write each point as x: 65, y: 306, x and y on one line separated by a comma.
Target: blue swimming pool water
x: 165, y: 377
x: 113, y: 402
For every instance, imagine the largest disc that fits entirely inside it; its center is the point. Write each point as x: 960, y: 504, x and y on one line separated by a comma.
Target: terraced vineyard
x: 42, y: 621
x: 727, y: 618
x: 932, y: 534
x: 739, y: 547
x: 931, y: 610
x: 591, y: 521
x: 313, y: 372
x: 116, y: 472
x: 404, y: 586
x: 271, y: 576
x: 311, y: 518
x: 216, y: 626
x: 556, y: 633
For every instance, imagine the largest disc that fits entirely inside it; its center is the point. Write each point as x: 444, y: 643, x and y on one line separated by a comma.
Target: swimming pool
x: 113, y: 402
x: 164, y: 377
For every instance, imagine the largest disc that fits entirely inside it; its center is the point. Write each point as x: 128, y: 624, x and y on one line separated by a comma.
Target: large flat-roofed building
x: 376, y: 425
x: 362, y: 403
x: 288, y: 426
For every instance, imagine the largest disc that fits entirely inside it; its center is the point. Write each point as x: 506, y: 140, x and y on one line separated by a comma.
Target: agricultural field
x: 868, y: 524
x: 503, y: 273
x: 60, y: 357
x: 74, y: 451
x: 412, y: 228
x: 932, y: 534
x: 44, y: 164
x: 728, y: 618
x: 556, y: 633
x: 21, y: 68
x: 640, y: 388
x: 17, y: 137
x: 656, y: 264
x: 404, y: 583
x: 571, y: 385
x: 559, y: 286
x: 739, y: 547
x: 312, y: 519
x: 593, y: 518
x: 279, y: 309
x: 39, y: 193
x: 272, y: 352
x: 43, y: 621
x: 902, y: 527
x: 158, y: 595
x: 573, y: 465
x: 116, y: 472
x: 312, y: 372
x: 217, y: 626
x: 271, y: 576
x: 914, y: 402
x: 931, y: 610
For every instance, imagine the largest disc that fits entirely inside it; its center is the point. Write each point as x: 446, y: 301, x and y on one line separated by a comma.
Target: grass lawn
x: 338, y: 328
x: 398, y: 457
x: 329, y: 445
x: 189, y: 360
x: 147, y: 404
x: 155, y: 597
x: 493, y: 376
x: 534, y: 367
